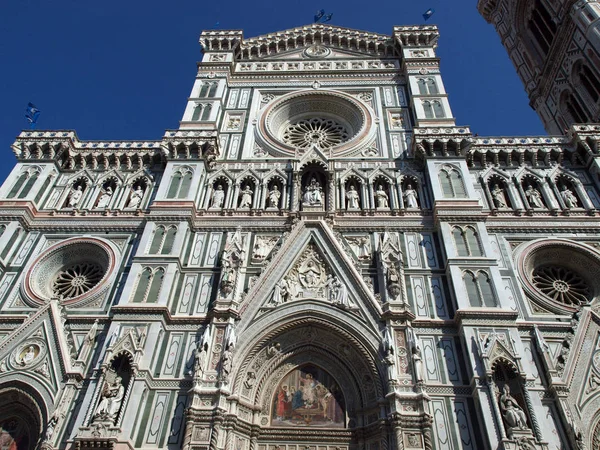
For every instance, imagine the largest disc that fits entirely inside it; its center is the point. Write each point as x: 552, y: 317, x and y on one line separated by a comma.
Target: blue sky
x: 123, y: 69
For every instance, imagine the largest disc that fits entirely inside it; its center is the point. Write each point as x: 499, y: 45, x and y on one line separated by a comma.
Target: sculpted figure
x: 498, y: 196
x: 353, y: 198
x: 279, y: 293
x: 111, y: 398
x: 28, y: 356
x: 568, y: 197
x: 534, y: 197
x: 218, y: 197
x: 381, y: 197
x: 75, y: 197
x: 226, y: 362
x: 199, y: 359
x: 246, y: 194
x: 105, y: 198
x: 313, y: 195
x: 274, y: 196
x: 511, y: 411
x: 410, y: 197
x: 136, y: 197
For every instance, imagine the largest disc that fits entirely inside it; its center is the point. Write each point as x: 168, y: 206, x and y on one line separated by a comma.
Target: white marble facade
x: 319, y: 258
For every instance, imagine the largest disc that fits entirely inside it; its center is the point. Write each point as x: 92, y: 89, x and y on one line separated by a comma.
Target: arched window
x: 208, y: 89
x: 472, y: 238
x: 452, y: 183
x: 163, y: 240
x: 438, y: 109
x: 479, y: 289
x: 467, y: 241
x: 149, y: 284
x: 542, y: 26
x: 213, y: 90
x: 206, y: 112
x: 428, y: 110
x: 180, y: 183
x: 197, y: 113
x: 427, y: 86
x: 24, y: 184
x: 590, y: 82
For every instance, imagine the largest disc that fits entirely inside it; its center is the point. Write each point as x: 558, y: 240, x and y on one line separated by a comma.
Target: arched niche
x: 330, y: 352
x: 314, y: 187
x: 22, y: 417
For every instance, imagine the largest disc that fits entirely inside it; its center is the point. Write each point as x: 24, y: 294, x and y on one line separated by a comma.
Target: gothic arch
x: 348, y: 352
x: 23, y: 413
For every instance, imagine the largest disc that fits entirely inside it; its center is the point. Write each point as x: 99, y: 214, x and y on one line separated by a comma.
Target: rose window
x: 561, y: 284
x: 78, y: 271
x: 77, y: 279
x: 324, y: 133
x: 330, y: 120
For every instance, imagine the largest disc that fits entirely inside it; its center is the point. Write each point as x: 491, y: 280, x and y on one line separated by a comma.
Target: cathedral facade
x: 319, y: 258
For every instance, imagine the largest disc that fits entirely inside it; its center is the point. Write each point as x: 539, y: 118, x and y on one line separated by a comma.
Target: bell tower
x: 554, y: 46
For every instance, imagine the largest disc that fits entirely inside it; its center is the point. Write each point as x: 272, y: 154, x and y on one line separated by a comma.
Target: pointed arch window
x: 433, y: 109
x: 467, y: 241
x: 427, y: 86
x: 452, y: 183
x: 590, y: 82
x: 149, y: 285
x: 180, y: 183
x: 162, y: 242
x: 24, y: 184
x: 479, y: 288
x: 208, y: 90
x: 542, y: 26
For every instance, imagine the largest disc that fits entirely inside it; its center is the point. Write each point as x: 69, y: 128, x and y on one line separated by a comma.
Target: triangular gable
x: 311, y: 250
x: 40, y: 348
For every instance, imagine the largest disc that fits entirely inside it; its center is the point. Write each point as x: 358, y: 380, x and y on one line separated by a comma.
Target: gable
x: 311, y: 268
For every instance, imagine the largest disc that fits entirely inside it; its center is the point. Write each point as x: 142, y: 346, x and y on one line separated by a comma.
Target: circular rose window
x: 326, y: 120
x: 559, y: 275
x: 76, y: 271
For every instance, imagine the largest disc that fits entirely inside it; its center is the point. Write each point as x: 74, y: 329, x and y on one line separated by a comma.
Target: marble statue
x: 135, y: 199
x: 246, y: 197
x: 353, y: 198
x: 381, y: 197
x: 199, y: 360
x: 498, y: 196
x: 410, y: 197
x: 279, y: 293
x: 534, y: 197
x: 568, y: 197
x: 313, y: 194
x: 28, y: 356
x: 105, y: 198
x: 75, y: 197
x: 226, y: 363
x: 218, y: 197
x: 511, y: 411
x: 274, y: 196
x: 110, y: 400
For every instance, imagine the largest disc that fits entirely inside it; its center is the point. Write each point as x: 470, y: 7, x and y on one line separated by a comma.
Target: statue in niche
x: 199, y: 360
x: 353, y: 198
x: 226, y: 364
x: 381, y: 197
x: 246, y: 197
x: 274, y: 196
x: 568, y: 197
x: 393, y: 280
x: 417, y: 356
x: 111, y: 398
x: 218, y: 197
x: 511, y: 411
x: 498, y: 197
x: 313, y: 194
x: 534, y: 197
x: 227, y: 274
x: 105, y: 198
x: 135, y: 199
x: 27, y: 356
x: 410, y: 197
x: 75, y: 196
